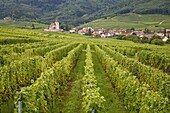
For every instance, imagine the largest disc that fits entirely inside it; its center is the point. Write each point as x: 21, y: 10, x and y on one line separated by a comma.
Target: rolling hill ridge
x: 132, y: 20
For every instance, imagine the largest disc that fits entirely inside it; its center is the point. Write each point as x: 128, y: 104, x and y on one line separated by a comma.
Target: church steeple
x: 55, y: 27
x: 56, y: 20
x: 57, y: 24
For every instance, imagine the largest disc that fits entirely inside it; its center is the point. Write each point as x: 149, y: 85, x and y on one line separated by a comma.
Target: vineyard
x: 43, y: 72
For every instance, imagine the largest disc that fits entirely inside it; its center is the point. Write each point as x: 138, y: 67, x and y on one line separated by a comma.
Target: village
x: 107, y: 33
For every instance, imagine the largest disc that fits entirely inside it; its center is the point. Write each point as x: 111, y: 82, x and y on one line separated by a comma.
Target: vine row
x: 136, y: 96
x: 92, y: 100
x: 42, y: 93
x: 158, y: 80
x: 21, y: 73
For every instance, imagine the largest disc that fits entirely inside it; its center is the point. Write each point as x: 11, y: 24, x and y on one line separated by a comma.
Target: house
x: 97, y: 32
x: 81, y: 32
x: 8, y: 18
x: 106, y: 35
x: 138, y: 33
x: 164, y: 38
x: 168, y: 32
x: 120, y: 32
x: 74, y: 30
x: 85, y: 30
x: 159, y: 34
x: 149, y: 35
x: 103, y: 33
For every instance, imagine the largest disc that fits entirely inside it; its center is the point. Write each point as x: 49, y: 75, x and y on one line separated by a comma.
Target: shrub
x: 154, y: 37
x: 136, y: 40
x: 120, y: 37
x: 133, y: 38
x: 144, y: 40
x: 157, y: 42
x: 168, y: 41
x: 97, y: 36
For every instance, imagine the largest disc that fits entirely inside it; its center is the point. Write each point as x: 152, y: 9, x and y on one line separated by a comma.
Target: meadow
x: 131, y: 20
x: 70, y: 73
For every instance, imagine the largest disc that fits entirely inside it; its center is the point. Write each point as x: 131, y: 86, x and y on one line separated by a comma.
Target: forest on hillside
x: 78, y: 11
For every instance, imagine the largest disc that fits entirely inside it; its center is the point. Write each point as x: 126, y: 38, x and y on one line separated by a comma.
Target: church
x: 54, y: 27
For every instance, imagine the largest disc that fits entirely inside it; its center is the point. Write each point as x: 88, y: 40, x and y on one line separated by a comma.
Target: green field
x: 131, y: 20
x: 22, y: 24
x: 70, y: 73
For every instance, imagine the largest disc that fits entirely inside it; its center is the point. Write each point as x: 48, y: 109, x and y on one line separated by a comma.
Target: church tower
x: 57, y: 24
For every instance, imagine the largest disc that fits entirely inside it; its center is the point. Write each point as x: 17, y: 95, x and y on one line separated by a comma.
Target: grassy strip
x: 72, y: 96
x: 112, y: 103
x: 7, y: 107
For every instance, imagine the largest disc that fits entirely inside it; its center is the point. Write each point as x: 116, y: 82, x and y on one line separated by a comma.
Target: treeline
x: 157, y: 40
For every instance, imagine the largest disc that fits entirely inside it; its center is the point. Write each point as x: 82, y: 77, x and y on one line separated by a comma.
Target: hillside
x: 46, y: 72
x: 78, y: 11
x: 131, y: 20
x: 22, y: 24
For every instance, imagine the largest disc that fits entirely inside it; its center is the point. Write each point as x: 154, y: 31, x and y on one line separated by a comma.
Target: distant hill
x: 22, y: 24
x: 132, y: 20
x: 76, y: 12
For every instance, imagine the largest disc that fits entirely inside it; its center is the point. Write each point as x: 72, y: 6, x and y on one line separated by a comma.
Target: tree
x: 144, y: 40
x: 164, y: 32
x: 105, y: 17
x: 62, y: 27
x: 168, y: 41
x: 146, y: 31
x: 89, y: 32
x: 33, y: 26
x: 132, y: 29
x: 67, y: 27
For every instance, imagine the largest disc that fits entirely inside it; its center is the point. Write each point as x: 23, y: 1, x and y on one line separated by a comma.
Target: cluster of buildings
x: 104, y: 33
